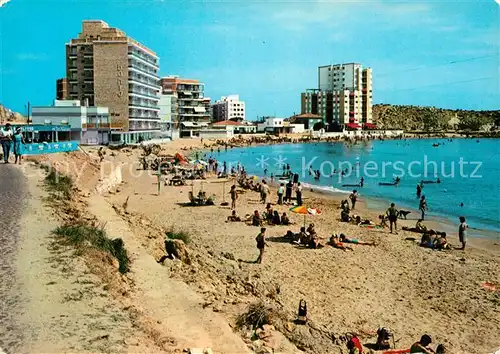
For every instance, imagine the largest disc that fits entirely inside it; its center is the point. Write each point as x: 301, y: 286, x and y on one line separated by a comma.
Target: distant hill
x: 409, y: 118
x: 8, y: 116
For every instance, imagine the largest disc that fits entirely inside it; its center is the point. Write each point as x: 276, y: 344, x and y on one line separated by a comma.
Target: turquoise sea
x: 468, y: 169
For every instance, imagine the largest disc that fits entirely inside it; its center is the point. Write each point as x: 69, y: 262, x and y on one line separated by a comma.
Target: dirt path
x: 171, y: 304
x: 56, y: 304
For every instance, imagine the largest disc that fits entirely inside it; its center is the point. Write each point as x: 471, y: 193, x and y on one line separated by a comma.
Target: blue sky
x: 440, y: 53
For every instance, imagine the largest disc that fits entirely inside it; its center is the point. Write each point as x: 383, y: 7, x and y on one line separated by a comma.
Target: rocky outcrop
x: 411, y: 118
x: 9, y: 116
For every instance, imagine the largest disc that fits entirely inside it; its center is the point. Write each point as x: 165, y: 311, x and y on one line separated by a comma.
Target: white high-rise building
x: 229, y: 108
x: 344, y: 95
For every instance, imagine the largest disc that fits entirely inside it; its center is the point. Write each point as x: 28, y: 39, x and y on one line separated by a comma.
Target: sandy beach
x: 395, y: 284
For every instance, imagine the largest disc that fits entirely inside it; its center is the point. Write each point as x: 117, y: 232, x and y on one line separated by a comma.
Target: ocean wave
x: 325, y: 188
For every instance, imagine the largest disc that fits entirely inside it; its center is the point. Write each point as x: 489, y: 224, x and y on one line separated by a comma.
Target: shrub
x: 58, y: 183
x: 80, y: 234
x: 178, y: 235
x: 257, y: 315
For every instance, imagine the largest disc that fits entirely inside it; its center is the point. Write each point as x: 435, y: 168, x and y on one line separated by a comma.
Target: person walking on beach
x: 298, y: 193
x: 6, y: 141
x: 462, y: 232
x: 234, y: 196
x: 288, y: 192
x: 261, y: 244
x: 354, y: 197
x: 281, y: 191
x: 422, y: 206
x: 392, y: 214
x: 17, y: 140
x: 264, y: 191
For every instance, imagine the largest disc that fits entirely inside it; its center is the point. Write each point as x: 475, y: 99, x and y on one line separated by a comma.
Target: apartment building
x: 105, y: 67
x: 189, y: 112
x: 229, y: 108
x: 343, y: 98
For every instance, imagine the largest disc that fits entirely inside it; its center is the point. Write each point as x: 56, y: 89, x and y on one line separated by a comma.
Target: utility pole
x: 28, y: 112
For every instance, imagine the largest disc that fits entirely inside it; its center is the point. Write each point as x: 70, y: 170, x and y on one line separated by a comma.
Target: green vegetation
x: 178, y: 235
x: 60, y: 185
x: 432, y: 119
x: 84, y: 235
x: 257, y: 315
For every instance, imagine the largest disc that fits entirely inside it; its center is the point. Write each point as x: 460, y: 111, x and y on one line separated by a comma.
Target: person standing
x: 264, y: 191
x: 281, y: 191
x: 18, y: 139
x: 298, y: 193
x: 261, y: 244
x: 462, y: 232
x: 288, y: 192
x: 422, y: 206
x: 354, y: 197
x: 234, y: 196
x: 392, y: 214
x: 6, y: 141
x: 419, y: 190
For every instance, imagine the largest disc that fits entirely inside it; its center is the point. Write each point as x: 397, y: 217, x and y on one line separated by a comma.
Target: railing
x: 135, y: 68
x: 144, y: 80
x: 146, y: 94
x: 146, y: 60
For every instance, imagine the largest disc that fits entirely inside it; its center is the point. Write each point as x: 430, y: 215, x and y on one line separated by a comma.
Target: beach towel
x: 396, y: 351
x: 372, y: 226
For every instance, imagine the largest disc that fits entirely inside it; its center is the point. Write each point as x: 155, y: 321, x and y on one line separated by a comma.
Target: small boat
x: 388, y: 184
x: 352, y: 185
x: 431, y: 182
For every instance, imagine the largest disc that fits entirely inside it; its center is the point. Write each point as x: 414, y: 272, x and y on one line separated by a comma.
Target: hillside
x: 7, y: 115
x: 433, y: 119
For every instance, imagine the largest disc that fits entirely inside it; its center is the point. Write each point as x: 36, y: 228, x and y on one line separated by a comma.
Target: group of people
x: 269, y: 216
x: 11, y: 141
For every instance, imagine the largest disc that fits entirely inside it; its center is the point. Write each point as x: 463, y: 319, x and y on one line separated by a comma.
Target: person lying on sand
x: 233, y: 217
x: 342, y: 238
x: 441, y: 243
x: 335, y: 242
x: 344, y: 215
x: 356, y: 220
x: 302, y: 237
x: 427, y: 241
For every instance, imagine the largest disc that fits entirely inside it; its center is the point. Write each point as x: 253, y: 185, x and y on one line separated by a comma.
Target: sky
x: 431, y: 53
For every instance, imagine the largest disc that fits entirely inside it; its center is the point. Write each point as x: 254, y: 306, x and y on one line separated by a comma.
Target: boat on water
x: 430, y: 181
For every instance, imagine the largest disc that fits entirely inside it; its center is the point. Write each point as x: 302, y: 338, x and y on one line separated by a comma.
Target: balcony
x: 151, y: 76
x: 140, y: 54
x: 142, y: 60
x: 142, y: 94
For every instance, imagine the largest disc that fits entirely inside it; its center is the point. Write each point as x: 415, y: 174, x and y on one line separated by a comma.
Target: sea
x: 468, y: 171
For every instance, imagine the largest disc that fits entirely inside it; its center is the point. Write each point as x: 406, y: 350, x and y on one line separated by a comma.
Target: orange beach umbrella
x: 305, y: 211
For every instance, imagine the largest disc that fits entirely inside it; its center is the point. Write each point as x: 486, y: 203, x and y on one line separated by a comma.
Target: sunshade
x: 301, y: 209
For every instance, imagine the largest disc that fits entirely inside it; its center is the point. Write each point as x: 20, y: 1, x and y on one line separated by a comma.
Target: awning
x: 188, y: 124
x: 369, y: 126
x: 199, y: 109
x: 353, y: 126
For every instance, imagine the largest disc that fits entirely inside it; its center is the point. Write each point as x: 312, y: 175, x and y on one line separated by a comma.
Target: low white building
x: 229, y: 108
x: 275, y: 125
x: 237, y: 127
x: 89, y: 125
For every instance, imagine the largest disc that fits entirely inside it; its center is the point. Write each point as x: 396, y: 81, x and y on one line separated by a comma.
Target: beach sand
x: 396, y: 284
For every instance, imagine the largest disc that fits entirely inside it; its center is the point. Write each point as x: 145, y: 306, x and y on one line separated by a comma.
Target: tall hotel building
x: 106, y: 68
x: 343, y: 98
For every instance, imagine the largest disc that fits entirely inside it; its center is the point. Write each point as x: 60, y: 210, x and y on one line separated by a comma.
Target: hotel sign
x: 119, y: 80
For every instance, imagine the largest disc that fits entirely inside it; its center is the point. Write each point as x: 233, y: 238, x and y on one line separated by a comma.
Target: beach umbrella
x: 305, y: 211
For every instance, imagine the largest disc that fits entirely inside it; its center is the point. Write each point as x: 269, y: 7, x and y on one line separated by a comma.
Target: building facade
x: 343, y: 98
x: 62, y: 89
x: 188, y: 104
x: 87, y: 125
x: 229, y: 108
x: 105, y: 67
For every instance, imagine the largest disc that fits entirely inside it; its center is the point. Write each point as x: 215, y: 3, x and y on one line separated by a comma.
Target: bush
x: 79, y: 234
x: 257, y: 315
x: 178, y: 235
x: 60, y: 184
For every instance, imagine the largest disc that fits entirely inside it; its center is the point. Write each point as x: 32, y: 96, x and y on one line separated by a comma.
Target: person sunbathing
x: 285, y: 220
x: 427, y: 241
x: 335, y: 242
x: 342, y: 238
x: 441, y: 243
x: 310, y: 230
x: 344, y: 216
x: 422, y: 346
x: 419, y: 227
x: 314, y: 241
x: 256, y: 219
x: 302, y: 238
x: 233, y: 217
